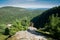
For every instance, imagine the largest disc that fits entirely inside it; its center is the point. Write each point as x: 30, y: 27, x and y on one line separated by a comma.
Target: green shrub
x: 2, y: 28
x: 7, y: 31
x: 3, y: 37
x: 19, y: 25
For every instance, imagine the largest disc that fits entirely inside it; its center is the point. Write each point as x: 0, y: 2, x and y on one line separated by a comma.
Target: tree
x: 19, y: 25
x: 54, y: 26
x: 7, y: 31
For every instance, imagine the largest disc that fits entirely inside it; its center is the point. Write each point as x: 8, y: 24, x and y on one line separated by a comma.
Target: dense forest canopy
x: 9, y: 14
x: 42, y: 19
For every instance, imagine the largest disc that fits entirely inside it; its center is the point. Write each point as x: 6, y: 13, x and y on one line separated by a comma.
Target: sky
x: 30, y: 3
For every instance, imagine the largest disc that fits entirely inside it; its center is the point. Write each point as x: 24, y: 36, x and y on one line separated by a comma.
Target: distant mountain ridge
x: 38, y: 8
x: 9, y: 14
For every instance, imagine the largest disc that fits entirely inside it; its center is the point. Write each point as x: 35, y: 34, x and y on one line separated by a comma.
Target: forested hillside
x: 40, y: 20
x: 49, y: 23
x: 9, y: 14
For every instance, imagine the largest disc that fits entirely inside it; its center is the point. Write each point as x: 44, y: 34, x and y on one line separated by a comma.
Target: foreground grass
x: 3, y: 37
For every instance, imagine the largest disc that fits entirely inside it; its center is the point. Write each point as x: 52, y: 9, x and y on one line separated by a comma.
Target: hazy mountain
x: 9, y: 14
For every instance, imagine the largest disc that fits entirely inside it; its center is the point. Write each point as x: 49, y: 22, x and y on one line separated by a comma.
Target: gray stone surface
x: 30, y: 34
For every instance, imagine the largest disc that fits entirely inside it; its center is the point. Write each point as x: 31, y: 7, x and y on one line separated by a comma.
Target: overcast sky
x: 30, y: 3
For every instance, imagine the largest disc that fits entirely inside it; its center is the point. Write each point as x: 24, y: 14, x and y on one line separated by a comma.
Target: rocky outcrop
x: 28, y: 35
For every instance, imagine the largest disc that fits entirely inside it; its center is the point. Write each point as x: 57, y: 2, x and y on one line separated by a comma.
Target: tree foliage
x: 41, y: 20
x: 19, y: 25
x: 53, y: 27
